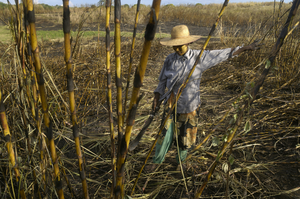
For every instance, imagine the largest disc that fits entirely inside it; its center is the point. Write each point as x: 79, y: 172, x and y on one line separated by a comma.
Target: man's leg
x: 187, y: 132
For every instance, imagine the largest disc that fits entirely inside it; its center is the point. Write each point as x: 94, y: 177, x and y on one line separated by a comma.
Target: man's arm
x: 161, y: 87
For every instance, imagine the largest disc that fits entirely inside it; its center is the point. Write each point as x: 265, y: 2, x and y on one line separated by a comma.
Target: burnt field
x: 261, y: 161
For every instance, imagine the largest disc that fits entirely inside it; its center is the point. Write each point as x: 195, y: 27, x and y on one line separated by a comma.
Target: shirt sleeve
x: 214, y: 57
x: 161, y: 87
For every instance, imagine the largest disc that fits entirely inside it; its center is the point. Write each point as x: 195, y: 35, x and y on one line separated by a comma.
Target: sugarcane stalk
x: 32, y: 166
x: 71, y: 87
x: 180, y: 90
x: 42, y: 89
x: 9, y: 146
x: 35, y: 113
x: 178, y: 152
x: 41, y: 139
x: 109, y: 96
x: 34, y: 84
x: 118, y: 190
x: 19, y: 38
x: 26, y: 79
x: 131, y: 55
x: 138, y: 81
x: 34, y: 100
x: 118, y: 72
x: 257, y: 85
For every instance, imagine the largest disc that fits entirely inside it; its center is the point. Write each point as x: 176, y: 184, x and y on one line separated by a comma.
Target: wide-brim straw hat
x: 180, y: 35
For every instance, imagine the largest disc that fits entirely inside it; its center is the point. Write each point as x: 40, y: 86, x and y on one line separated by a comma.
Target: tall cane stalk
x: 29, y: 56
x: 118, y: 72
x: 34, y: 98
x: 109, y: 97
x: 21, y: 53
x: 257, y: 85
x: 181, y: 89
x: 42, y: 89
x: 131, y: 55
x: 70, y: 86
x: 118, y: 190
x: 9, y: 146
x: 138, y: 82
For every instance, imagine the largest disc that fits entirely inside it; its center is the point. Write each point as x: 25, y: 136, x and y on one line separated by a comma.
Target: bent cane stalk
x: 9, y: 145
x: 181, y: 89
x: 131, y: 55
x: 71, y: 87
x: 109, y: 98
x: 258, y: 83
x: 42, y: 89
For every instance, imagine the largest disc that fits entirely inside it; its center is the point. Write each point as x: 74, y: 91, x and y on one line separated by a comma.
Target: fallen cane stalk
x: 180, y: 90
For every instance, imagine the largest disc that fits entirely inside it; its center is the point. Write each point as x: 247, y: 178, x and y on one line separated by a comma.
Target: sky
x: 147, y: 2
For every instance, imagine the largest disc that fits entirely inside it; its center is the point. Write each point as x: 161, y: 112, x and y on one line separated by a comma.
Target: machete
x: 133, y: 144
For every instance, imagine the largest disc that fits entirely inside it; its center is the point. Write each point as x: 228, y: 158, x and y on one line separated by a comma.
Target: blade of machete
x: 133, y: 144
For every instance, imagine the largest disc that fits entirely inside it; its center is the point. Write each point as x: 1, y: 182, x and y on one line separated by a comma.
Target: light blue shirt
x: 176, y: 69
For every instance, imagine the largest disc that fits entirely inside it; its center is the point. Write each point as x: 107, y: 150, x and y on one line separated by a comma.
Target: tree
x: 101, y: 2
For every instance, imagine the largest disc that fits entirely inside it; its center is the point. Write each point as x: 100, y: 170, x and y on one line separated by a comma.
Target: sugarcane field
x: 85, y: 113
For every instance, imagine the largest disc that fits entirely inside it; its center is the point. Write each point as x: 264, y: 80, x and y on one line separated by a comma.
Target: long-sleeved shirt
x: 176, y: 69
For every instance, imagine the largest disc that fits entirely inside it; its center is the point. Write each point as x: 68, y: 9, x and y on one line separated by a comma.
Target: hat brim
x: 179, y: 41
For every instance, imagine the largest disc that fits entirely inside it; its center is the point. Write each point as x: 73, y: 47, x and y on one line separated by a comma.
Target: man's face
x: 180, y: 50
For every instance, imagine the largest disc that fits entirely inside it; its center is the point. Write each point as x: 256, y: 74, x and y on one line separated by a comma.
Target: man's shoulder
x: 170, y: 56
x: 196, y: 52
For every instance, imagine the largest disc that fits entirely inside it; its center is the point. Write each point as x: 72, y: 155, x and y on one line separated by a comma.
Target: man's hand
x: 255, y: 45
x: 155, y: 101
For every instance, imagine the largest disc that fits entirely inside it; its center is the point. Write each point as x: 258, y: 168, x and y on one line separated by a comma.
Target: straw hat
x: 180, y: 35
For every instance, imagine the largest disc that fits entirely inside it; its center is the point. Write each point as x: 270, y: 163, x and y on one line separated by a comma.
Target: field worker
x: 174, y: 72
